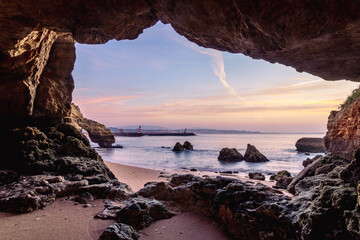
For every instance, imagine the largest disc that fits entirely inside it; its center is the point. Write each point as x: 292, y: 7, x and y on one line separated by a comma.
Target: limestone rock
x: 253, y: 155
x: 230, y: 155
x: 311, y: 145
x: 256, y: 175
x: 119, y: 231
x: 98, y: 133
x: 342, y: 137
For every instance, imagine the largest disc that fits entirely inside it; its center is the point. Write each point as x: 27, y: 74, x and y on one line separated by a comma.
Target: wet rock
x: 253, y: 155
x: 310, y: 145
x: 283, y: 173
x: 230, y: 155
x: 119, y: 231
x: 141, y: 212
x: 188, y: 146
x: 283, y: 182
x: 257, y: 176
x: 178, y: 147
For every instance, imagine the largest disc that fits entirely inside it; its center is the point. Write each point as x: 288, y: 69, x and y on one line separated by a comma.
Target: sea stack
x: 230, y: 155
x: 253, y: 155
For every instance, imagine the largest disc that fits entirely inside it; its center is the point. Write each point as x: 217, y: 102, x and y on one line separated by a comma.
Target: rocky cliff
x: 98, y: 133
x: 343, y: 135
x: 37, y: 56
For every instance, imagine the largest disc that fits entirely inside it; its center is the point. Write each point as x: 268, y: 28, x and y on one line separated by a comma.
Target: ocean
x: 154, y: 152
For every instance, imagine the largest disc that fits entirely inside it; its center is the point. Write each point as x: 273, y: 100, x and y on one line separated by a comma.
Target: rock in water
x: 188, y: 146
x: 119, y: 231
x: 257, y: 176
x: 310, y: 145
x: 178, y: 147
x: 230, y: 155
x: 253, y: 155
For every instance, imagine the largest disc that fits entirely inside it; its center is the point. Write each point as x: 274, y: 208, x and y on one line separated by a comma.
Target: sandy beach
x: 66, y: 220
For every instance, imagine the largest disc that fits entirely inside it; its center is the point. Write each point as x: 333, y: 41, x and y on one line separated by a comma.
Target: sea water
x: 155, y: 152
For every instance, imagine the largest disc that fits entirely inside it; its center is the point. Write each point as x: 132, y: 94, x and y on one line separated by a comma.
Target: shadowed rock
x: 311, y: 145
x: 230, y: 155
x: 178, y: 147
x: 253, y: 155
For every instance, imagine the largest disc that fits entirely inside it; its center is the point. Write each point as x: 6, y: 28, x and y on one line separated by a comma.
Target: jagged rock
x: 84, y: 198
x: 230, y: 155
x: 257, y: 176
x: 98, y: 133
x: 282, y: 178
x: 141, y: 212
x: 188, y: 146
x: 178, y: 147
x: 322, y: 165
x: 119, y: 231
x: 253, y: 155
x: 342, y: 137
x: 310, y: 145
x: 351, y: 173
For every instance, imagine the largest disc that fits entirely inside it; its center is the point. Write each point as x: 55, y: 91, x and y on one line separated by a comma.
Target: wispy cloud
x: 101, y: 99
x: 217, y: 63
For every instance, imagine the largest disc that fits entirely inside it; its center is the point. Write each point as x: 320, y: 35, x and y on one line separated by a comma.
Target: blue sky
x: 163, y: 79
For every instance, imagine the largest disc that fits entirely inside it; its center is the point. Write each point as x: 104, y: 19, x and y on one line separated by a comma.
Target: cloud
x: 101, y: 99
x: 217, y: 63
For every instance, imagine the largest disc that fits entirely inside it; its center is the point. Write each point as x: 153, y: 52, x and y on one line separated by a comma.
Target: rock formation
x: 343, y: 135
x: 253, y: 155
x: 37, y: 56
x: 98, y: 133
x: 230, y: 155
x: 256, y: 175
x: 311, y: 145
x: 181, y: 147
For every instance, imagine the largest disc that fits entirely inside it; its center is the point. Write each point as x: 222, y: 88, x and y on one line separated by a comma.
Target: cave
x: 41, y: 143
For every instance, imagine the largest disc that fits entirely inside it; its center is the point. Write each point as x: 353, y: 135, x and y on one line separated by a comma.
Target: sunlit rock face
x: 98, y: 132
x: 343, y: 136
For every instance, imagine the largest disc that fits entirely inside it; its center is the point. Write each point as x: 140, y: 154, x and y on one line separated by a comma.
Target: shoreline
x: 57, y: 220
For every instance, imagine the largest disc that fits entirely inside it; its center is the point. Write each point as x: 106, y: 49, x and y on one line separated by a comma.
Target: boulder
x: 283, y: 173
x: 253, y: 155
x: 230, y: 155
x: 310, y: 145
x: 119, y: 231
x: 256, y: 176
x: 188, y: 146
x: 178, y: 147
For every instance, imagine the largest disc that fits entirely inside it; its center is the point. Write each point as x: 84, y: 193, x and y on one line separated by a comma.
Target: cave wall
x: 37, y: 39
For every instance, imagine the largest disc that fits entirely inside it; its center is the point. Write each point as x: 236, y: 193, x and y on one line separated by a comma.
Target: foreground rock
x: 257, y: 176
x: 230, y: 155
x: 119, y: 231
x: 311, y: 145
x: 253, y: 155
x: 98, y: 133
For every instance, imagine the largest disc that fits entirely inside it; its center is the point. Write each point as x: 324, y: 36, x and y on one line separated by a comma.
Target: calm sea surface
x: 147, y: 152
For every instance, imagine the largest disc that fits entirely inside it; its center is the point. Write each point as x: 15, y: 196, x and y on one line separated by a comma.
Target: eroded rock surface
x: 98, y: 132
x: 343, y: 135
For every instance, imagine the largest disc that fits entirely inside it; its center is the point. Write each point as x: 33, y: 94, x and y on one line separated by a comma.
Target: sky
x: 163, y: 79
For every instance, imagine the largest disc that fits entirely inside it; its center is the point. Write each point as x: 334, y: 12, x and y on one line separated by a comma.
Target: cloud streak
x: 101, y: 100
x: 217, y: 64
